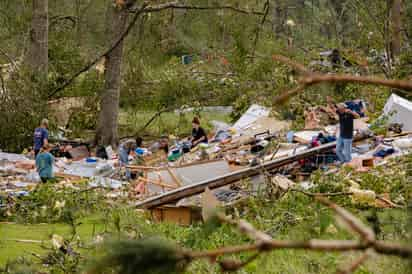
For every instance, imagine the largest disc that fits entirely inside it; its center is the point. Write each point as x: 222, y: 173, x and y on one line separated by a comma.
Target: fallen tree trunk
x: 190, y: 190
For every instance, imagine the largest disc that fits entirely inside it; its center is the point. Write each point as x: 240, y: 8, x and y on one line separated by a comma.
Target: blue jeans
x: 124, y: 161
x: 344, y: 149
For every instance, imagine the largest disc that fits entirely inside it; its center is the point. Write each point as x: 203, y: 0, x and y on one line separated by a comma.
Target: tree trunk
x: 37, y: 56
x: 116, y: 18
x: 396, y: 28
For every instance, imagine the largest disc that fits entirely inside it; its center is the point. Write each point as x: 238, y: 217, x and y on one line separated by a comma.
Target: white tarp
x: 250, y: 116
x: 400, y: 111
x: 11, y: 157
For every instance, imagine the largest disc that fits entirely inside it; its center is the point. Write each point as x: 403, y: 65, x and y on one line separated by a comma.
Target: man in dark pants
x: 345, y: 139
x: 41, y: 136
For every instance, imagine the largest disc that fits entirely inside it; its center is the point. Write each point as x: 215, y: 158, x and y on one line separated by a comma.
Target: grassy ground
x: 9, y: 232
x: 132, y: 121
x: 295, y: 217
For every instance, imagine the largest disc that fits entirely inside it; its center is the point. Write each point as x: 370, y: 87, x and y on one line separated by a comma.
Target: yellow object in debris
x: 360, y: 196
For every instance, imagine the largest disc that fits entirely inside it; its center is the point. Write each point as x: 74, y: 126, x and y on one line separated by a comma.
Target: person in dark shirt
x: 41, y: 136
x: 345, y: 139
x: 198, y: 133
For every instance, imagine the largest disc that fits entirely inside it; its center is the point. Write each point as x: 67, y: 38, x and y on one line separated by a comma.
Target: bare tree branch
x: 318, y: 78
x: 265, y: 243
x: 311, y: 78
x: 104, y: 54
x: 247, y: 229
x: 354, y: 223
x: 298, y: 66
x: 176, y: 5
x: 357, y: 263
x: 266, y: 9
x: 144, y: 9
x: 327, y: 194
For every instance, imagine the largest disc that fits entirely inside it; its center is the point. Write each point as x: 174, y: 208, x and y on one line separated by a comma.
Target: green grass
x: 131, y: 121
x: 11, y: 249
x: 269, y: 217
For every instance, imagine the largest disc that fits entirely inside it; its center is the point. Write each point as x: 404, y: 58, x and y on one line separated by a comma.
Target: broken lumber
x: 190, y: 190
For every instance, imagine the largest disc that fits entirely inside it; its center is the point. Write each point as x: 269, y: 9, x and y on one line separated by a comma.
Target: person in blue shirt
x: 41, y: 136
x: 44, y: 164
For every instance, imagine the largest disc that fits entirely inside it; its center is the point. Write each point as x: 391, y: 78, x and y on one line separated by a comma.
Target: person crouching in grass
x: 44, y: 163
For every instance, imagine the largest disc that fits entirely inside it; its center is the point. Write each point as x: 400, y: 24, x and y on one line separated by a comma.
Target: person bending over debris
x: 41, y: 136
x: 198, y: 133
x: 125, y: 148
x: 44, y: 163
x: 345, y: 139
x: 162, y: 144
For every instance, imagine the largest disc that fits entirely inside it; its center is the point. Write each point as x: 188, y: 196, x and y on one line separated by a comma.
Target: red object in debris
x: 224, y: 61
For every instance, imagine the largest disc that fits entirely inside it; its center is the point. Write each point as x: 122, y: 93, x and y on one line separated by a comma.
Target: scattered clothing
x: 324, y: 139
x: 384, y: 152
x: 44, y: 165
x: 357, y: 106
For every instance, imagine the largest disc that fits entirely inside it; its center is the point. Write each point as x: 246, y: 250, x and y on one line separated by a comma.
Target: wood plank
x: 157, y: 183
x: 190, y: 190
x: 174, y: 177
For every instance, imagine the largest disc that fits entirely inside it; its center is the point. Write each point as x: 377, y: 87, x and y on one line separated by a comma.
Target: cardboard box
x: 178, y: 215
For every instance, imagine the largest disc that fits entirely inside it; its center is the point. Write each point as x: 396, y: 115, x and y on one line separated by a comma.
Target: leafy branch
x: 144, y: 8
x: 262, y: 243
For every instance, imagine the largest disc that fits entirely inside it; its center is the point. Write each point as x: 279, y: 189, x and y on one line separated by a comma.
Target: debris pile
x: 169, y: 174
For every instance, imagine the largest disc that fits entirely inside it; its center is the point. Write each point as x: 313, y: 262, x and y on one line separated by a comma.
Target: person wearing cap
x: 41, y: 136
x: 198, y: 133
x: 345, y: 138
x: 44, y: 163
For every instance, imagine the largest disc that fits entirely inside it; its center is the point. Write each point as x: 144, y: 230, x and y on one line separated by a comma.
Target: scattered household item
x: 250, y: 116
x: 78, y: 153
x: 399, y: 110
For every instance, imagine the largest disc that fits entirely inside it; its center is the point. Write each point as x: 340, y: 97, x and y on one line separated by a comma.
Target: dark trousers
x: 36, y: 151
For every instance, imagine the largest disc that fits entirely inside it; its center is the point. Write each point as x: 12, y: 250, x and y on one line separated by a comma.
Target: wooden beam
x: 233, y: 177
x: 186, y: 191
x: 174, y: 177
